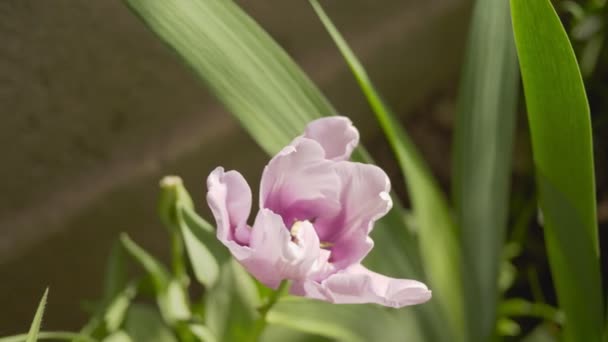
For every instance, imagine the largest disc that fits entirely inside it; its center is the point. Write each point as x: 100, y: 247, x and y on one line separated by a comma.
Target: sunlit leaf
x: 560, y: 127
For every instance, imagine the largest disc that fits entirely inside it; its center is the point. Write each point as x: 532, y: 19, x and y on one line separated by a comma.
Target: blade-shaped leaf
x: 560, y: 127
x: 171, y: 297
x: 241, y: 64
x: 439, y: 248
x: 32, y: 335
x: 482, y: 158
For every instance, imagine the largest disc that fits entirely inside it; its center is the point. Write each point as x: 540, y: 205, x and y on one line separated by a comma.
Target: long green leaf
x: 439, y: 246
x: 560, y: 127
x: 241, y: 64
x: 32, y: 335
x: 482, y: 158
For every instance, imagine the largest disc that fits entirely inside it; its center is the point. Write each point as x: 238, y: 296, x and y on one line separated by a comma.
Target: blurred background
x: 97, y: 110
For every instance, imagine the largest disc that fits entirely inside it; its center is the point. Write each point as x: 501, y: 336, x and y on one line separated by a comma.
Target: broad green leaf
x: 143, y: 323
x: 32, y: 335
x: 483, y: 141
x: 439, y: 246
x: 170, y: 295
x: 231, y: 306
x: 560, y: 128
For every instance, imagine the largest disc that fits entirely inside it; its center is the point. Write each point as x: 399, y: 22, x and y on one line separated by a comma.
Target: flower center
x: 295, y: 229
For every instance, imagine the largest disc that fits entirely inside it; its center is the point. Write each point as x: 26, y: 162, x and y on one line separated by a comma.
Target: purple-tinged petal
x: 358, y: 285
x: 229, y: 198
x: 277, y: 253
x: 364, y: 198
x: 336, y: 134
x: 300, y: 184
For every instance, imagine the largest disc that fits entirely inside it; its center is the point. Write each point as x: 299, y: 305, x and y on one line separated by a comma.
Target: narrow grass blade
x: 439, y: 248
x: 483, y: 140
x: 32, y: 335
x: 560, y: 127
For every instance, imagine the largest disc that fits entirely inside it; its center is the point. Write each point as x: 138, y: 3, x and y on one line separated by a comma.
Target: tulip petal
x: 277, y: 254
x: 300, y: 184
x: 229, y: 198
x: 364, y: 198
x: 358, y: 285
x: 336, y: 134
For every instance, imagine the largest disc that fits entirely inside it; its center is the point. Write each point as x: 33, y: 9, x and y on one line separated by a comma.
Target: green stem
x: 51, y: 335
x: 177, y: 255
x: 261, y: 323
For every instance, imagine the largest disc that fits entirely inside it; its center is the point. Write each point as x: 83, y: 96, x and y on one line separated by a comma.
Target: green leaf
x: 202, y: 332
x: 483, y: 141
x: 50, y: 335
x: 170, y: 295
x: 205, y: 251
x: 231, y: 306
x: 439, y: 246
x: 32, y: 335
x: 516, y: 307
x: 116, y: 311
x: 143, y: 323
x: 344, y: 322
x: 560, y: 127
x: 241, y: 64
x: 119, y: 336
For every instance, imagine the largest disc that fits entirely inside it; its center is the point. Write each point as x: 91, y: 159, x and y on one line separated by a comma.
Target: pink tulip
x: 316, y: 212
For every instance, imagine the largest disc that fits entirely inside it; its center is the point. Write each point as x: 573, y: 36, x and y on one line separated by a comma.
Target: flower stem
x: 261, y: 323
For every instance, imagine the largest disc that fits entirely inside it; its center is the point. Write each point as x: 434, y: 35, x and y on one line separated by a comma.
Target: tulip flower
x: 317, y: 210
